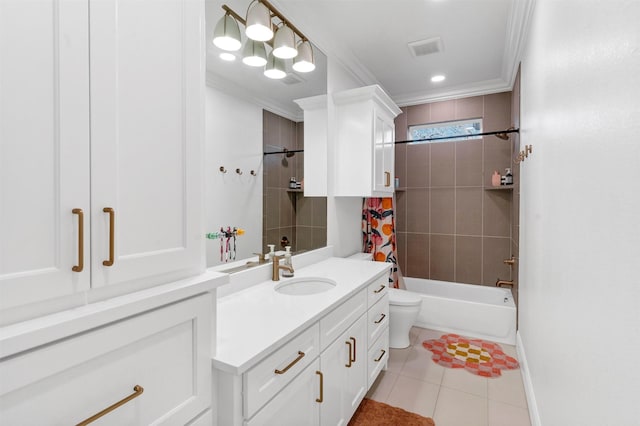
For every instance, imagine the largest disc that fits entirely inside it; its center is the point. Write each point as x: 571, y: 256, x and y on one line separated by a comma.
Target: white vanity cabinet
x: 154, y: 346
x: 102, y: 109
x: 364, y: 160
x: 318, y: 377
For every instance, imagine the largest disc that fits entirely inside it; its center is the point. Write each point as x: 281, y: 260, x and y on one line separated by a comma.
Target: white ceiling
x: 481, y: 40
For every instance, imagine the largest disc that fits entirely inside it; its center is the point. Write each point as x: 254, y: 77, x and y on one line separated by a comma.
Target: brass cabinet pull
x: 353, y: 339
x: 350, y: 349
x: 382, y: 286
x: 388, y: 179
x: 380, y: 320
x: 137, y: 391
x: 80, y: 265
x: 300, y: 356
x: 112, y: 215
x: 319, y: 373
x: 381, y: 355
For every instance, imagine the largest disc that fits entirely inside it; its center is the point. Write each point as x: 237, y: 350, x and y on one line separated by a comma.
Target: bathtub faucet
x: 501, y: 283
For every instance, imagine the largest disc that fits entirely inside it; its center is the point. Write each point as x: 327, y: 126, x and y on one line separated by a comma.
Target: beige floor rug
x: 374, y: 413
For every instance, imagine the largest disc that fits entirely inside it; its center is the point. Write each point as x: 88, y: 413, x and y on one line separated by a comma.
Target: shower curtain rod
x: 497, y: 133
x: 286, y: 151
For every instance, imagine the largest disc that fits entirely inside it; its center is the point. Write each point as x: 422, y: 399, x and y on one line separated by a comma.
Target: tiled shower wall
x: 303, y: 220
x: 449, y: 227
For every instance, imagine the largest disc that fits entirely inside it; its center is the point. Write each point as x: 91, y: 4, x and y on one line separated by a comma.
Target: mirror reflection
x: 248, y: 115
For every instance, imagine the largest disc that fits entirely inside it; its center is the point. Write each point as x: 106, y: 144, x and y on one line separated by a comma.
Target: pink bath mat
x: 477, y: 356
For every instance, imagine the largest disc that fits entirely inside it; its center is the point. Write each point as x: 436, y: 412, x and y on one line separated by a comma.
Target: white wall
x: 344, y: 214
x: 580, y: 212
x: 233, y: 140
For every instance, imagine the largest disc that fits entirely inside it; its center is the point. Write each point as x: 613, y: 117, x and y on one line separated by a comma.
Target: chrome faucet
x: 500, y: 283
x: 277, y: 266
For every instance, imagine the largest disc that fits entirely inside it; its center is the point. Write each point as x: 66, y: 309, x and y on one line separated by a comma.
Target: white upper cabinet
x: 315, y: 145
x: 101, y: 110
x: 364, y: 160
x: 147, y: 104
x: 44, y: 149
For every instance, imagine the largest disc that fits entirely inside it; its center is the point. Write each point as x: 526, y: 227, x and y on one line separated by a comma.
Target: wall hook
x: 222, y: 169
x: 238, y: 171
x: 253, y: 173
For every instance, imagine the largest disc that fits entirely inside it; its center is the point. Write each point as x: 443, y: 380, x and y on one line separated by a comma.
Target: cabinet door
x: 296, y: 404
x: 344, y: 365
x: 147, y: 88
x: 383, y: 156
x: 44, y: 148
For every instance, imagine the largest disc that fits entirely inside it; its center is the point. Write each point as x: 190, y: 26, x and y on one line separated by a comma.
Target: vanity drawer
x: 338, y: 320
x: 377, y: 289
x: 165, y: 351
x: 262, y: 382
x: 378, y: 318
x: 378, y: 355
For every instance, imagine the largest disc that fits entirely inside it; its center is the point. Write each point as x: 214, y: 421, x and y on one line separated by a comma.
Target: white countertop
x: 253, y: 322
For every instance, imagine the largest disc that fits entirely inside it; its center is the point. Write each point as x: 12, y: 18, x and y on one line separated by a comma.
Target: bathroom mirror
x: 248, y: 114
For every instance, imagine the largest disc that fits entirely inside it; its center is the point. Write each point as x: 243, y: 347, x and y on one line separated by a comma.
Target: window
x: 466, y: 129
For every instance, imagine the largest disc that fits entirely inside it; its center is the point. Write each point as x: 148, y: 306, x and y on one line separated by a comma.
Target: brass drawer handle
x: 388, y: 179
x: 112, y: 216
x: 381, y: 355
x: 353, y: 339
x: 80, y: 265
x: 350, y: 349
x: 319, y: 373
x: 382, y: 287
x: 381, y: 318
x: 137, y: 391
x: 300, y: 356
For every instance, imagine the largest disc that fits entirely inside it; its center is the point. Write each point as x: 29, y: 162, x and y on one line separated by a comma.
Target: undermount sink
x: 305, y: 285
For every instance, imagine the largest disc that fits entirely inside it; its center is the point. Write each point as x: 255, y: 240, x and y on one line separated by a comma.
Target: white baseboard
x: 534, y: 416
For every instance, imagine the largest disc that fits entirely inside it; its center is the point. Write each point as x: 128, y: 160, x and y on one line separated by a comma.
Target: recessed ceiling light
x: 227, y: 56
x: 437, y: 78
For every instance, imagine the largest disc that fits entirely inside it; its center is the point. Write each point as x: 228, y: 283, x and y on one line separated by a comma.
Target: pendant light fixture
x: 254, y: 53
x: 226, y: 35
x: 258, y: 25
x: 262, y: 18
x: 304, y: 62
x: 284, y: 43
x: 275, y: 68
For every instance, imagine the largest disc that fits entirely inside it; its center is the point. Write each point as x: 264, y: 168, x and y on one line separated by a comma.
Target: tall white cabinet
x: 101, y: 104
x: 105, y: 308
x: 364, y: 160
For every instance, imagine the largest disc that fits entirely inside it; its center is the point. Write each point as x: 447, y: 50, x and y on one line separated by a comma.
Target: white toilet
x: 404, y: 307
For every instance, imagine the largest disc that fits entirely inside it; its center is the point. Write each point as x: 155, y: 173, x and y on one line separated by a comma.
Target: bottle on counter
x: 287, y: 262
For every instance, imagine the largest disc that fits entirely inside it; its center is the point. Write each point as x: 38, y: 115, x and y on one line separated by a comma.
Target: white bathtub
x: 469, y: 310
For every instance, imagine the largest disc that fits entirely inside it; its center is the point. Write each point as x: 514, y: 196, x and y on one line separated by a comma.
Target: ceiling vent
x: 292, y: 78
x: 425, y: 47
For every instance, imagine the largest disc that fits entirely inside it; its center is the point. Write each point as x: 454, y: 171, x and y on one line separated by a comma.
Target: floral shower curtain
x: 379, y: 233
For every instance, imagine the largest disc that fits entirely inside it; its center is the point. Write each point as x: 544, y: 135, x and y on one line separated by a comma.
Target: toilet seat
x: 400, y: 297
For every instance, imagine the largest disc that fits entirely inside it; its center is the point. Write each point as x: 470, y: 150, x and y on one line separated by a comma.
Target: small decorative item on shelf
x: 292, y: 183
x: 508, y: 177
x: 495, y: 178
x: 396, y: 182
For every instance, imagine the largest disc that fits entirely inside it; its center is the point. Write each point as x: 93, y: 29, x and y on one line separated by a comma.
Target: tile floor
x: 452, y: 397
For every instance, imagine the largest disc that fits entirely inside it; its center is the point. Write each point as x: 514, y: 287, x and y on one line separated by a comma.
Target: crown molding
x: 518, y: 24
x: 223, y: 85
x: 486, y: 87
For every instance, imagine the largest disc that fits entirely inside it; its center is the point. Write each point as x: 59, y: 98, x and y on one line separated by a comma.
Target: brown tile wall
x: 302, y: 220
x: 449, y: 227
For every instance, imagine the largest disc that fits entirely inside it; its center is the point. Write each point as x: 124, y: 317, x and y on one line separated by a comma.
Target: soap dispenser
x: 287, y: 262
x: 272, y: 252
